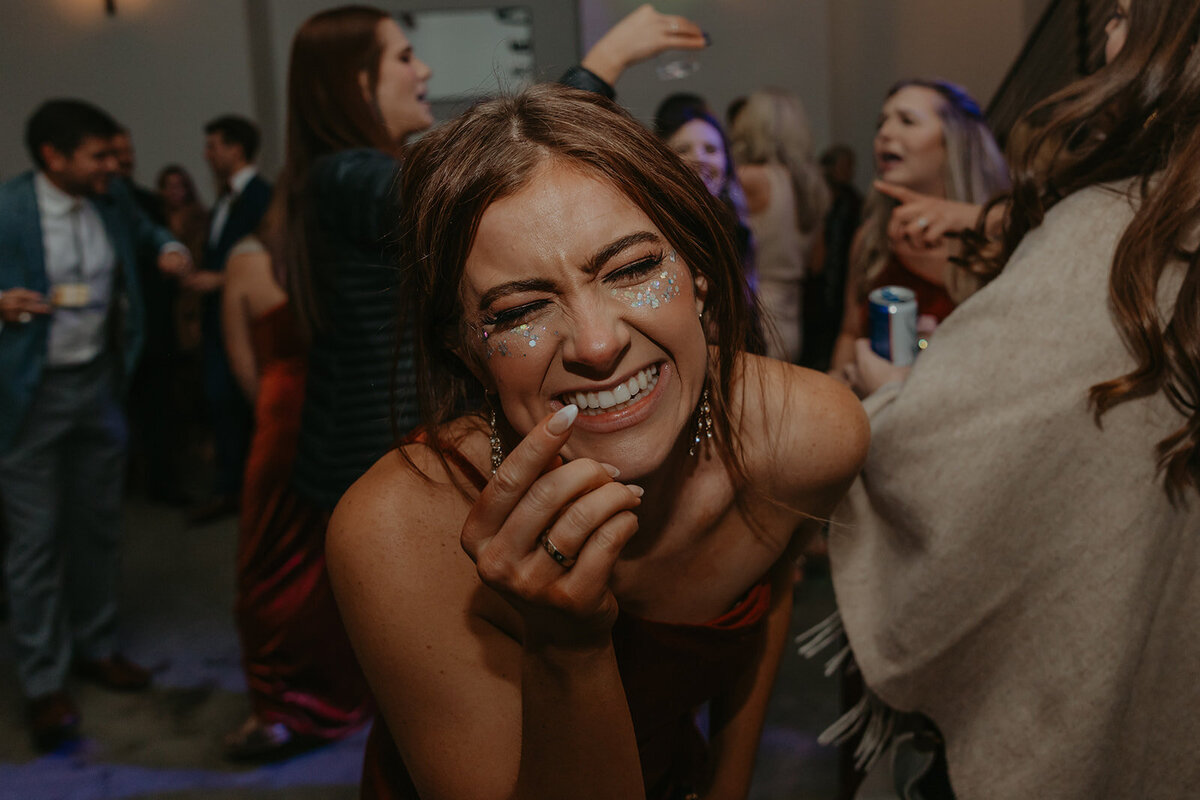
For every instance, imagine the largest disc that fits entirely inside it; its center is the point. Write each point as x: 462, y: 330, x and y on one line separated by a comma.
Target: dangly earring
x: 704, y: 424
x: 494, y: 440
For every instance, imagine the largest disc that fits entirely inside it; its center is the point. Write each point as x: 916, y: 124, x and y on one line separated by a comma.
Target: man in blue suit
x: 71, y: 330
x: 230, y: 146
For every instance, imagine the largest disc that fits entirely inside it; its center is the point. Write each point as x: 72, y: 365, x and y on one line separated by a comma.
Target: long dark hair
x: 452, y: 175
x: 326, y: 113
x: 1136, y: 119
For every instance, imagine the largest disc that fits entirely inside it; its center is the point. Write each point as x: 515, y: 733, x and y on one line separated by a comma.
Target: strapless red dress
x: 300, y: 669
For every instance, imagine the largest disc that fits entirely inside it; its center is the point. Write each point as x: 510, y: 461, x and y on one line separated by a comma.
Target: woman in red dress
x: 304, y: 684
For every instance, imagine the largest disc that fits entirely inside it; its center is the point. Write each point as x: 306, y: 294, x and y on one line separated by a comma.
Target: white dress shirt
x: 77, y: 251
x: 237, y: 185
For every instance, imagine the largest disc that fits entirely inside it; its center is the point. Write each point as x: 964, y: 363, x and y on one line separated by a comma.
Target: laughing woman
x: 542, y: 592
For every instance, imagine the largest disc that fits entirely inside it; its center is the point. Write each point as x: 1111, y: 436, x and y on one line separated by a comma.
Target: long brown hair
x: 1136, y: 119
x: 975, y: 172
x: 326, y: 113
x: 453, y: 174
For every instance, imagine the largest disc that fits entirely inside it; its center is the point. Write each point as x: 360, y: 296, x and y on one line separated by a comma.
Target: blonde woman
x: 936, y: 164
x: 787, y: 198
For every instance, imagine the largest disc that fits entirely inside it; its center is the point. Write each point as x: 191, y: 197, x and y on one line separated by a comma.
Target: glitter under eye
x: 653, y: 292
x: 523, y: 336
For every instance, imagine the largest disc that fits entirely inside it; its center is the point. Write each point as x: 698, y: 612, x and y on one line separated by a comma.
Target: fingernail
x: 707, y: 38
x: 563, y: 419
x: 637, y: 490
x: 611, y: 470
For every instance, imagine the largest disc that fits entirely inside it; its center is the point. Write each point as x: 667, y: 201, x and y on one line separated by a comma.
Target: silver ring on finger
x: 674, y: 26
x: 24, y: 318
x: 560, y: 558
x: 923, y: 223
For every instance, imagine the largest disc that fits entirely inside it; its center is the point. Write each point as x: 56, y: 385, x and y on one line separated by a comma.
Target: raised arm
x: 640, y: 35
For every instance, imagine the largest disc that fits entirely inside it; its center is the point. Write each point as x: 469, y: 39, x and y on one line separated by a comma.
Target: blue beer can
x: 892, y: 311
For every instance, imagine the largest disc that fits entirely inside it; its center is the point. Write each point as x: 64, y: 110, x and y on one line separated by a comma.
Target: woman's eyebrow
x: 594, y: 264
x: 614, y: 248
x: 513, y: 287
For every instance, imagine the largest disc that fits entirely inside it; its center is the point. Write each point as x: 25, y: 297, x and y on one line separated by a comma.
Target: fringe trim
x: 870, y: 716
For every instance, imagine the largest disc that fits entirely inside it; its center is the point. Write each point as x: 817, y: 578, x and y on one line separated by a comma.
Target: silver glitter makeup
x: 653, y: 292
x: 499, y: 343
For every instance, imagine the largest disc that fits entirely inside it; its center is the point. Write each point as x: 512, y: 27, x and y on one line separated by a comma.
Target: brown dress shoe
x: 53, y: 720
x: 115, y: 672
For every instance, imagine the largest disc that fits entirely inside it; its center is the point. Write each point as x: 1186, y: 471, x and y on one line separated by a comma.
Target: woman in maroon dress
x: 304, y: 684
x: 626, y: 496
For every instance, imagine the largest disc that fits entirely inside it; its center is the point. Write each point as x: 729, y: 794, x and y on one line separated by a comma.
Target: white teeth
x: 619, y: 396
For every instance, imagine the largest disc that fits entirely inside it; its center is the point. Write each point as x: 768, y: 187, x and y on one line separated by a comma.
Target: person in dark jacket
x: 71, y: 330
x: 230, y: 147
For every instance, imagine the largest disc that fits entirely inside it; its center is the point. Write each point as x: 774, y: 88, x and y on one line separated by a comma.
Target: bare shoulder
x: 445, y: 674
x: 249, y: 274
x: 802, y: 430
x: 406, y: 510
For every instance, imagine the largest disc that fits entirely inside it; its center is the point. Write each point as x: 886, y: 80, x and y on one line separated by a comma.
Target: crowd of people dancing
x: 526, y: 423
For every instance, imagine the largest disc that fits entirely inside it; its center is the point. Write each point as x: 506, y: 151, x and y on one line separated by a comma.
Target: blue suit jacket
x: 22, y: 264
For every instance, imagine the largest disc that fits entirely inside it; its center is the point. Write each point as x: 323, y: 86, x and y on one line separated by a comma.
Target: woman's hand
x: 869, y: 371
x: 641, y: 35
x: 922, y: 221
x: 532, y: 510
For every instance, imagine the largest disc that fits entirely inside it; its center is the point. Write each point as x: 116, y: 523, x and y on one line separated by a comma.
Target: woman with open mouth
x: 543, y: 590
x: 936, y: 164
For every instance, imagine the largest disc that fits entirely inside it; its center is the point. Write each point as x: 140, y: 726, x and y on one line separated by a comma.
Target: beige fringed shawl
x: 1011, y: 570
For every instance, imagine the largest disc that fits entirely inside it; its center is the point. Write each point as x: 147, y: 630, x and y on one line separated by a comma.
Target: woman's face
x: 700, y: 145
x: 910, y: 146
x: 1116, y: 30
x: 572, y: 295
x: 399, y: 93
x: 174, y: 190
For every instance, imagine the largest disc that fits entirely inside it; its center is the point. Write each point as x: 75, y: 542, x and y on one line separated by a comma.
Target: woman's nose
x: 596, y: 341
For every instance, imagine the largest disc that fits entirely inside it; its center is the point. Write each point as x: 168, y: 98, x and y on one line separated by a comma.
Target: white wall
x: 161, y: 67
x: 165, y: 67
